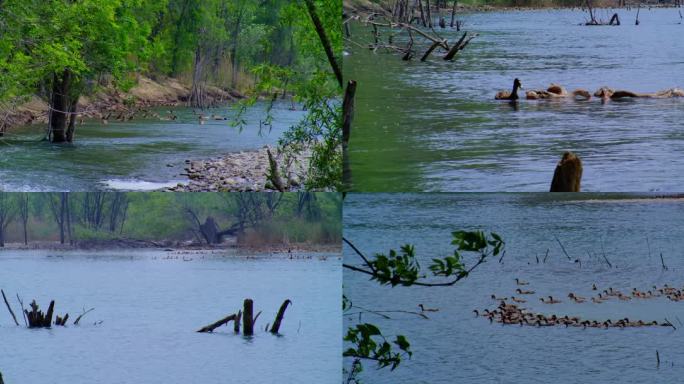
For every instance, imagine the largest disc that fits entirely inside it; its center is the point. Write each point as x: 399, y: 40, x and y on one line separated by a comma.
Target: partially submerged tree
x: 75, y: 42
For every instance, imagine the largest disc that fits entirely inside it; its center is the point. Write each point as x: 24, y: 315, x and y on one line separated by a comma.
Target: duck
x: 424, y: 309
x: 575, y: 298
x: 521, y: 292
x: 517, y: 300
x: 550, y: 300
x: 581, y: 94
x: 512, y: 95
x: 521, y: 282
x: 494, y: 297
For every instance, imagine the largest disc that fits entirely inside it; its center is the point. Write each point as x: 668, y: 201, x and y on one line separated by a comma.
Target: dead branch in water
x: 562, y: 247
x: 83, y: 314
x: 279, y: 317
x: 404, y: 25
x: 246, y: 319
x: 9, y: 308
x: 211, y: 327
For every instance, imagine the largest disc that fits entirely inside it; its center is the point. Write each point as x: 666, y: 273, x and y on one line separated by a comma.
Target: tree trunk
x: 197, y: 93
x: 325, y: 41
x: 60, y: 106
x: 347, y: 118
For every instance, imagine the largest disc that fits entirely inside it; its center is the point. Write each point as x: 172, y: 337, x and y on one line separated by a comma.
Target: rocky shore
x: 245, y: 171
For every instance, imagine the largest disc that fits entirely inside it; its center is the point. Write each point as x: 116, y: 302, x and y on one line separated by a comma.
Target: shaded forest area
x: 69, y: 55
x: 170, y: 219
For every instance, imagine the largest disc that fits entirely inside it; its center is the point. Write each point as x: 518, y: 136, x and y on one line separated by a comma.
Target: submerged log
x: 279, y: 317
x: 568, y: 174
x: 211, y: 327
x: 8, y: 307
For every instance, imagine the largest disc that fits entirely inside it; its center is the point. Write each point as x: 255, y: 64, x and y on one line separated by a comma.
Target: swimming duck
x: 424, y: 309
x: 515, y: 299
x: 512, y: 95
x: 550, y: 300
x: 575, y: 298
x: 521, y: 292
x: 521, y: 282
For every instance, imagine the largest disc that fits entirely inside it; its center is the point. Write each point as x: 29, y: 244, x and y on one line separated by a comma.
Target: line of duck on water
x: 555, y: 91
x: 512, y: 314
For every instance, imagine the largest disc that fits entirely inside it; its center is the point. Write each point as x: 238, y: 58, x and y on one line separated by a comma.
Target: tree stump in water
x: 36, y: 318
x: 61, y: 321
x: 615, y: 20
x: 568, y: 174
x: 248, y: 318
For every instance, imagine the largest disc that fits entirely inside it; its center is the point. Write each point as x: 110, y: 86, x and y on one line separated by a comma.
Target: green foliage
x: 369, y: 343
x: 402, y: 268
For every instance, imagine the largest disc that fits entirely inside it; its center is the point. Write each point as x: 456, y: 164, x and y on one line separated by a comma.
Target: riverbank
x: 174, y: 246
x: 245, y: 171
x: 110, y: 103
x: 385, y: 6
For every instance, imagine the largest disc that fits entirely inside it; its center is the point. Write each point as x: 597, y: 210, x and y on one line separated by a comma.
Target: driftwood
x: 279, y: 317
x: 211, y: 327
x: 9, y: 308
x: 568, y: 174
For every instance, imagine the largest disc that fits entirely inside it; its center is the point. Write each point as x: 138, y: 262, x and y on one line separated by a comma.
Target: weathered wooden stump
x: 37, y: 319
x: 568, y: 174
x: 248, y: 318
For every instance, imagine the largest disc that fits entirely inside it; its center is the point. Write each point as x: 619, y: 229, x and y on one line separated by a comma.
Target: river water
x: 142, y: 154
x: 150, y: 308
x: 435, y: 126
x: 454, y: 346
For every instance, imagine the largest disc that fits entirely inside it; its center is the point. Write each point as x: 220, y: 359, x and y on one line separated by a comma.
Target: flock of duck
x: 555, y: 91
x: 511, y: 313
x: 146, y: 113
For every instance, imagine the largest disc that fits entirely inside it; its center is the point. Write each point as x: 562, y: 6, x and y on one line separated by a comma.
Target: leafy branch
x: 402, y: 267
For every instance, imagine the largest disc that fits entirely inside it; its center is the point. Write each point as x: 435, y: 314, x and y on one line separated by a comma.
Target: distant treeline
x: 516, y: 3
x: 204, y: 218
